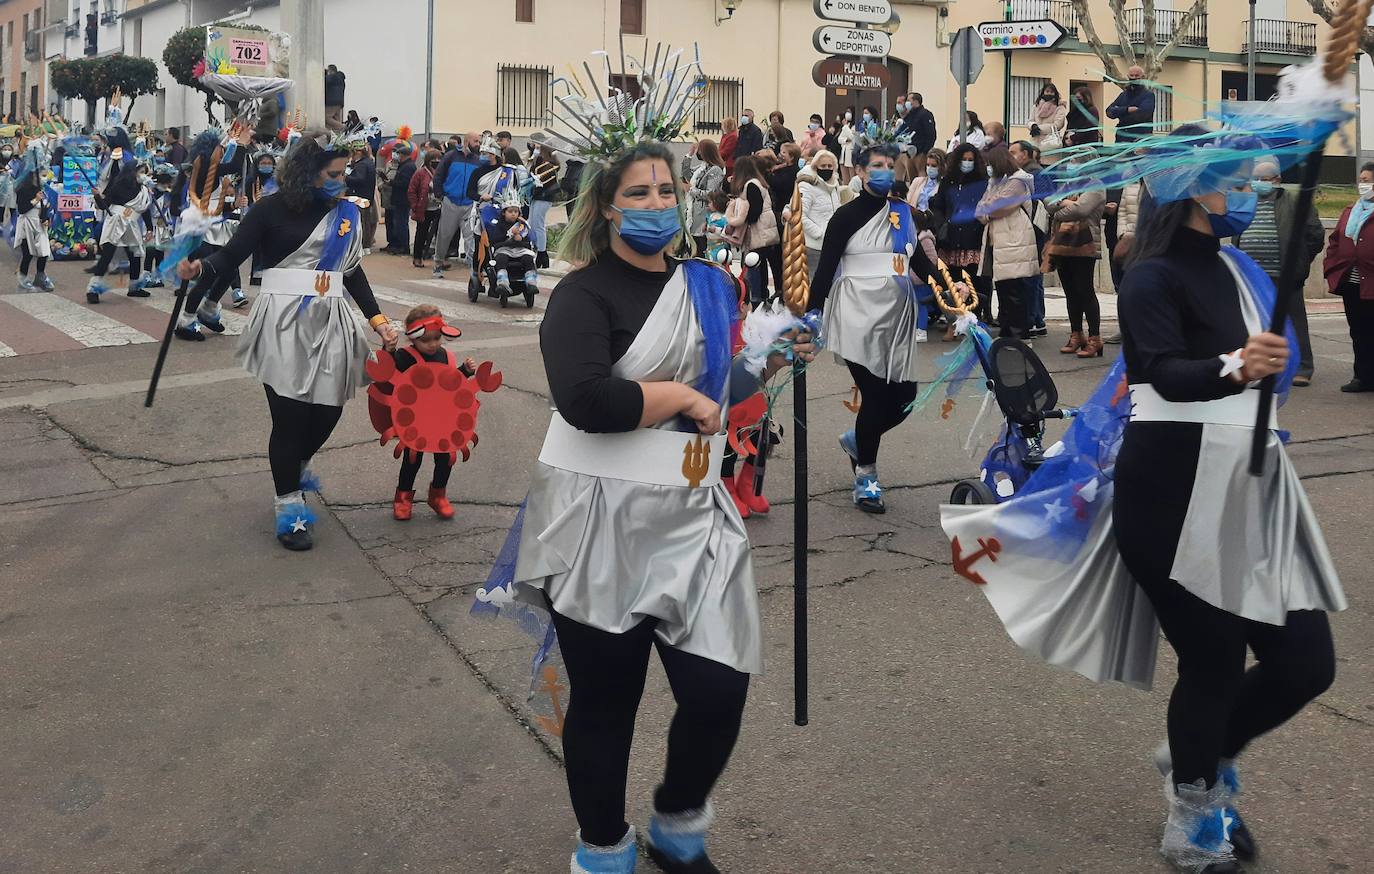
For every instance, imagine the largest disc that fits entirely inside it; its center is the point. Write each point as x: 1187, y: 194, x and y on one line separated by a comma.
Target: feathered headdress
x: 596, y: 123
x: 884, y: 134
x: 509, y: 198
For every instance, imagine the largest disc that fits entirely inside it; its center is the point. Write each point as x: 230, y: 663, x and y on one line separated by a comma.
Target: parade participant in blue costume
x: 628, y: 535
x: 865, y: 282
x: 303, y: 339
x: 31, y: 223
x: 1147, y: 508
x: 124, y: 195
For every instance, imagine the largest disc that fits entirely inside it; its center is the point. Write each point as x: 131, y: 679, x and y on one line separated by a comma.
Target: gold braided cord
x: 947, y: 297
x: 796, y: 285
x: 1346, y: 27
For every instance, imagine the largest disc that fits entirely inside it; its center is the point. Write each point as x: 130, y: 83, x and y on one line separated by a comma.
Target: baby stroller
x: 485, y: 271
x: 1027, y: 396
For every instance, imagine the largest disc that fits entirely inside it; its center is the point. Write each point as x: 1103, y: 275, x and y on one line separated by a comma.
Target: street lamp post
x: 1250, y: 58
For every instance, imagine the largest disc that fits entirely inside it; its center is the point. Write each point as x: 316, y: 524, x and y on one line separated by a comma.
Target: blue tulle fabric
x: 290, y: 514
x: 716, y: 306
x: 956, y: 369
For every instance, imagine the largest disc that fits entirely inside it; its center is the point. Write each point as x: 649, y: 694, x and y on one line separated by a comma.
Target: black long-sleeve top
x: 844, y: 224
x: 594, y: 315
x: 273, y: 230
x: 1178, y: 313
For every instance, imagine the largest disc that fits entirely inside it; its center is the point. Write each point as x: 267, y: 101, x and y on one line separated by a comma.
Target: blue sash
x: 343, y: 225
x: 905, y: 243
x: 1261, y: 290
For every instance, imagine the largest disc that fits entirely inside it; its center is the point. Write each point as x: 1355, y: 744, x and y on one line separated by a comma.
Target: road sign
x: 862, y: 11
x: 851, y: 41
x: 859, y: 75
x: 966, y: 56
x: 1008, y: 35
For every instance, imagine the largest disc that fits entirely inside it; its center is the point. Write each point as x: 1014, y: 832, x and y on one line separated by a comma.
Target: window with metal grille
x: 524, y: 10
x: 724, y: 98
x: 1024, y: 90
x: 631, y: 16
x: 522, y: 94
x: 1164, y: 108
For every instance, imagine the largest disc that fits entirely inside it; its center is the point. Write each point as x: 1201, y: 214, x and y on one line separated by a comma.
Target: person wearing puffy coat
x: 1010, y: 255
x: 821, y: 195
x: 1076, y: 272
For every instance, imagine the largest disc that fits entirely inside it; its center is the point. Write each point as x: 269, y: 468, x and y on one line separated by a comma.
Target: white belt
x: 871, y: 264
x: 645, y: 455
x: 1238, y: 410
x: 282, y: 280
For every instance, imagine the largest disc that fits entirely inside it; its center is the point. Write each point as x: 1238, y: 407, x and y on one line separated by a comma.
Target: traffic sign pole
x: 1006, y: 79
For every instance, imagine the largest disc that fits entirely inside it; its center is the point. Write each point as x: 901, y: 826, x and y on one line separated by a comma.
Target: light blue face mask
x: 1262, y: 187
x: 1240, y: 212
x: 648, y: 231
x: 332, y: 189
x: 881, y: 181
x: 966, y: 166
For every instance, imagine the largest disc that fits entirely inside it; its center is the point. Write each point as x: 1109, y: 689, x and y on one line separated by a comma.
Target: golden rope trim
x: 1346, y: 28
x: 948, y: 298
x: 796, y: 284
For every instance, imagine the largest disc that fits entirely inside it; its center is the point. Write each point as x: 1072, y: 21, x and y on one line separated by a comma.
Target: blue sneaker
x: 23, y: 282
x: 43, y: 281
x: 619, y: 859
x: 138, y: 288
x: 188, y: 329
x: 868, y: 495
x: 294, y: 519
x: 677, y: 841
x: 208, y: 316
x: 237, y: 298
x: 850, y: 446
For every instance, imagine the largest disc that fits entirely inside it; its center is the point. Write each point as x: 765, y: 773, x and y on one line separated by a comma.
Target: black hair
x: 1050, y: 86
x: 885, y: 150
x: 296, y: 178
x: 1368, y: 165
x: 1029, y: 148
x: 953, y: 175
x: 973, y: 122
x: 1156, y: 226
x: 504, y: 135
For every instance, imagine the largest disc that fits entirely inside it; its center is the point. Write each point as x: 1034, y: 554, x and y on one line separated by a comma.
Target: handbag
x: 1072, y: 239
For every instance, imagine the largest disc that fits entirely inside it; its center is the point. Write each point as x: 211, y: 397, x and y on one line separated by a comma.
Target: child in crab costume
x: 427, y: 330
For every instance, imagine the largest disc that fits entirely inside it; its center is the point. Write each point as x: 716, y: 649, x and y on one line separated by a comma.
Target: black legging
x: 1359, y: 316
x: 1217, y: 706
x: 107, y: 250
x: 299, y: 429
x: 770, y: 261
x: 424, y: 233
x: 216, y: 289
x: 1076, y: 276
x: 606, y: 680
x: 25, y: 257
x: 882, y: 407
x: 409, y: 470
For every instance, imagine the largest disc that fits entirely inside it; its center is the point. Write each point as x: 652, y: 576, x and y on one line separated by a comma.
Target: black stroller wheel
x: 972, y: 492
x: 474, y: 288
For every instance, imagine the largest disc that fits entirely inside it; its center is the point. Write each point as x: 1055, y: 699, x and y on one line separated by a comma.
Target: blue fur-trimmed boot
x: 95, y: 288
x: 1242, y: 842
x: 619, y: 859
x: 294, y: 519
x: 868, y: 494
x: 503, y: 282
x: 209, y: 316
x: 310, y: 481
x: 1197, y: 835
x: 677, y: 841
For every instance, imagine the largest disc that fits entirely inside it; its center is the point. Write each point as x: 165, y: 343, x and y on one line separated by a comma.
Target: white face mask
x: 1366, y: 190
x: 932, y: 172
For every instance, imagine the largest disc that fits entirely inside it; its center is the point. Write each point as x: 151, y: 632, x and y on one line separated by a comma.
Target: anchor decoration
x: 696, y: 461
x: 322, y: 281
x: 990, y: 546
x: 552, y: 724
x: 853, y: 404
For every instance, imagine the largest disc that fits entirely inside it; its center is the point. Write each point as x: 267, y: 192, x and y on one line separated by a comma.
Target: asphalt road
x: 181, y: 695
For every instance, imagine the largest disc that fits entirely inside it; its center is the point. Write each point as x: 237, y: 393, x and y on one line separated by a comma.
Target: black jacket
x: 400, y: 185
x: 334, y: 89
x: 750, y: 140
x: 921, y: 122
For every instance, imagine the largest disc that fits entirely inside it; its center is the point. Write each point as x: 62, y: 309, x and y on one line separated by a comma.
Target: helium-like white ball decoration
x: 723, y: 256
x: 751, y: 260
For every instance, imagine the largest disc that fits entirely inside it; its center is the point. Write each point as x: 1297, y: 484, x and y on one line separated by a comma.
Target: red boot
x: 401, y: 504
x: 744, y: 487
x: 743, y: 508
x: 438, y: 502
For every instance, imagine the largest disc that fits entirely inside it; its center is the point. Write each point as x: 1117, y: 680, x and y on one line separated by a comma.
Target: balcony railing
x: 1281, y: 37
x: 1166, y: 23
x: 73, y: 31
x: 108, y: 17
x: 1059, y: 11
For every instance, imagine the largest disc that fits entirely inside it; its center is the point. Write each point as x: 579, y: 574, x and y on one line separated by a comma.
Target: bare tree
x: 1154, y: 54
x: 1327, y: 12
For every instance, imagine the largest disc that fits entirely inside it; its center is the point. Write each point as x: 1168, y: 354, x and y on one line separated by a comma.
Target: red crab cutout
x: 743, y: 423
x: 431, y: 406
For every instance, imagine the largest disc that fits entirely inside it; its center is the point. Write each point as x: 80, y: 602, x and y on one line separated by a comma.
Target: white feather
x: 762, y: 328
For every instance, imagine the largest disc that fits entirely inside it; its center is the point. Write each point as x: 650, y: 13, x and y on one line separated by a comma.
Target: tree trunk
x: 1085, y: 21
x: 90, y: 113
x: 1155, y: 62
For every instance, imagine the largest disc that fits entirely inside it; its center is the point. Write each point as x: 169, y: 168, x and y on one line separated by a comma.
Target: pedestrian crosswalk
x: 35, y: 321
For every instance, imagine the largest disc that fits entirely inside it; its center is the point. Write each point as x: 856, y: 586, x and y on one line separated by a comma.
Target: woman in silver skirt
x: 303, y: 339
x: 1230, y: 562
x: 629, y: 536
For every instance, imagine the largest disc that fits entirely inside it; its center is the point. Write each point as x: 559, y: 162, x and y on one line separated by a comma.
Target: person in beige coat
x: 1074, y: 248
x: 1049, y: 119
x: 1010, y: 256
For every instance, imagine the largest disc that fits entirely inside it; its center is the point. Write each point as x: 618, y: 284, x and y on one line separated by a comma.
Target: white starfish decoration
x: 873, y: 490
x: 1232, y: 362
x: 1054, y: 511
x: 298, y: 524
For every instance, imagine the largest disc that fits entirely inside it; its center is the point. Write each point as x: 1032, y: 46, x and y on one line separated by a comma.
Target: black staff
x: 1278, y: 321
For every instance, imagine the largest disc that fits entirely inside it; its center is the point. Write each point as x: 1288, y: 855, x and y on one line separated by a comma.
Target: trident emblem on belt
x: 696, y: 461
x: 322, y: 284
x: 899, y: 265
